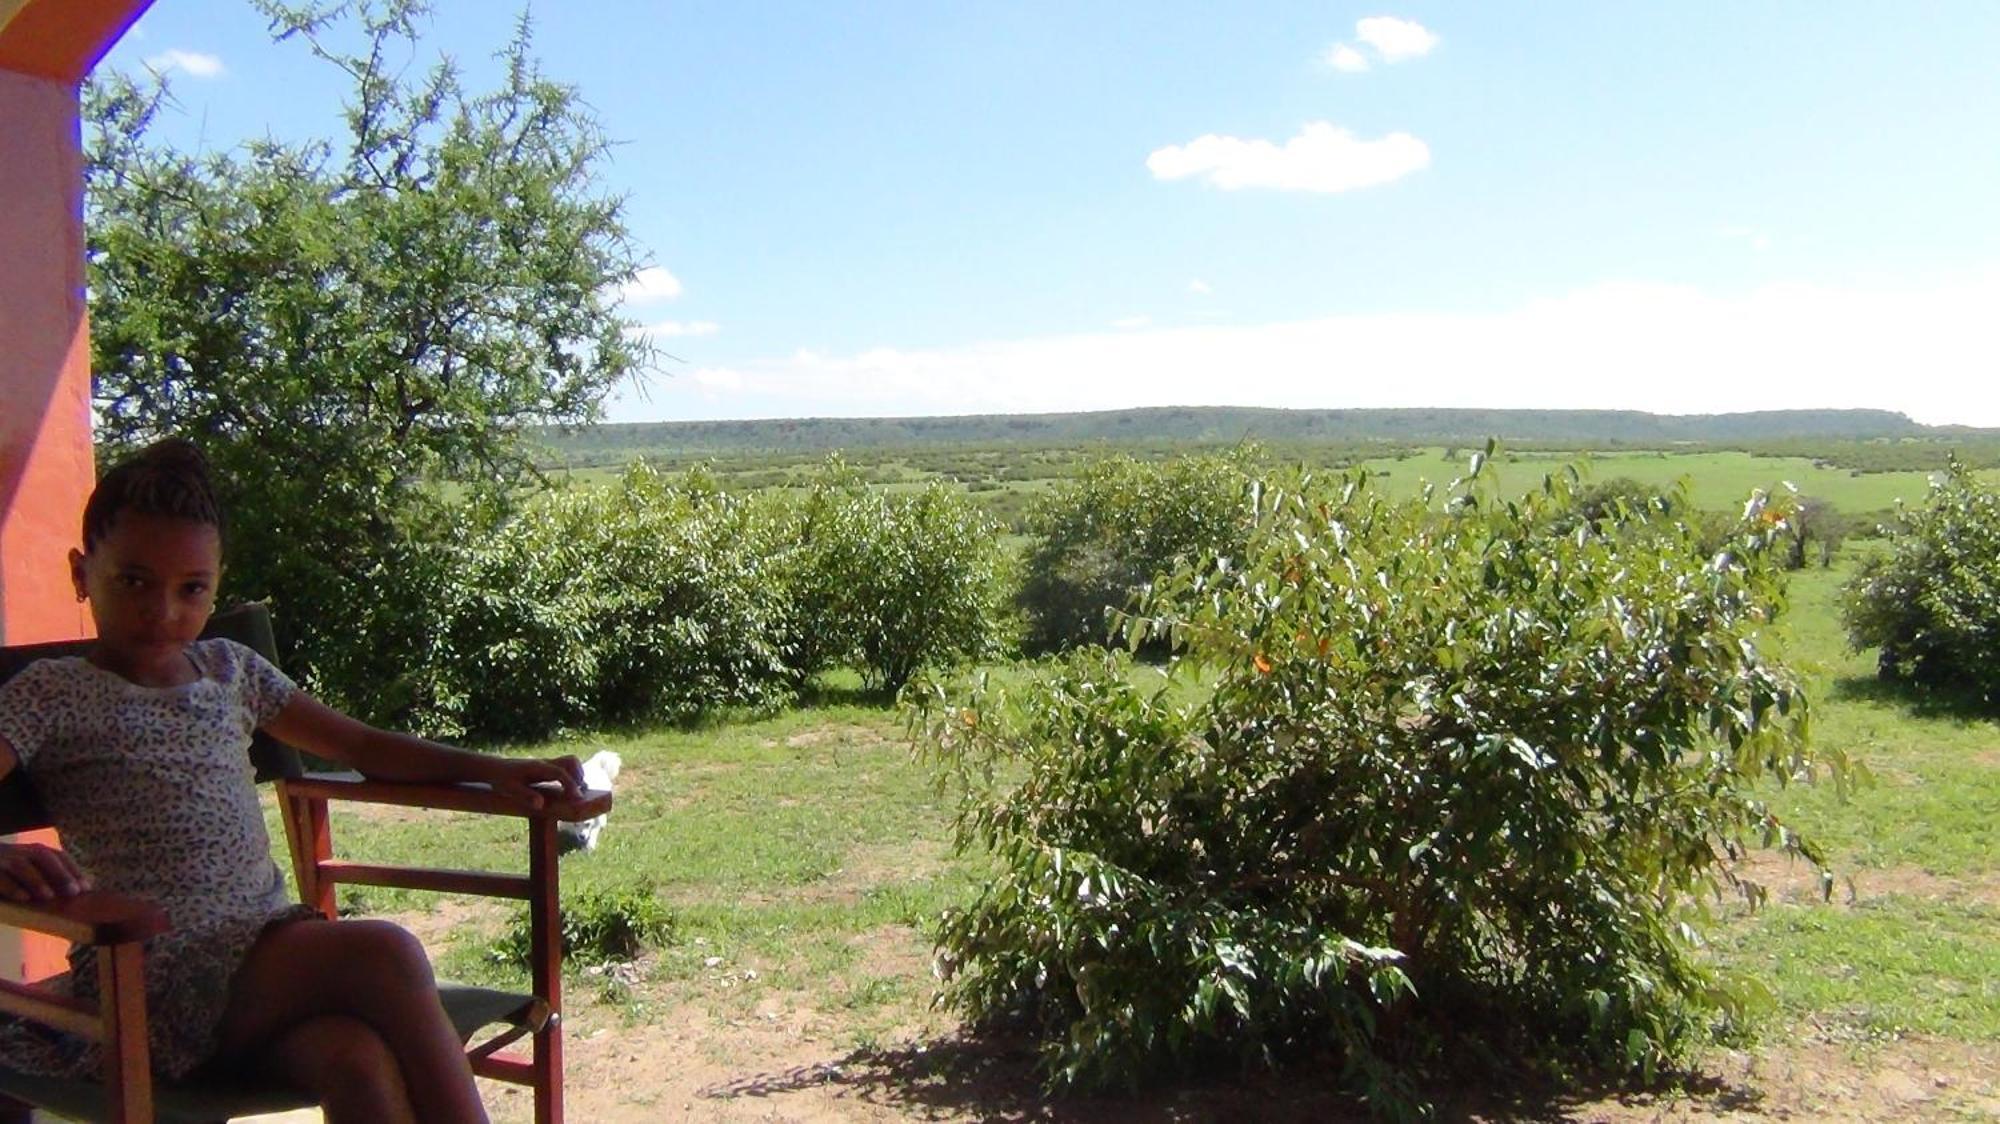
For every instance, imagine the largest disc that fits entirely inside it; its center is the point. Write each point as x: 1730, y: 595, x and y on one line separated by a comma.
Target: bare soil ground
x: 787, y: 1065
x: 789, y: 1060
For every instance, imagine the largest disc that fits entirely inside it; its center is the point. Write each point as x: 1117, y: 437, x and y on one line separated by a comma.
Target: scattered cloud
x: 666, y: 328
x: 194, y: 64
x: 1395, y: 39
x: 1199, y: 287
x: 1343, y: 57
x: 1664, y: 348
x: 1322, y: 157
x: 651, y: 285
x: 1131, y: 322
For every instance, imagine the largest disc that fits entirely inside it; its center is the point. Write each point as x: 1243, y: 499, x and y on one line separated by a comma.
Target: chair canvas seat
x: 469, y: 1008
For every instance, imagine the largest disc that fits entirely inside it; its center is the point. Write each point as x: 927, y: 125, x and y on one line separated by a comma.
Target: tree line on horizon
x: 1802, y: 430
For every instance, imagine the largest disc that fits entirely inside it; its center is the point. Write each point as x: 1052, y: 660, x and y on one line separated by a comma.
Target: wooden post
x: 309, y: 832
x: 545, y: 953
x: 128, y: 1077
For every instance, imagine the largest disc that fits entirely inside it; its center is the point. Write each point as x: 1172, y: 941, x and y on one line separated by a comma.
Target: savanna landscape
x: 1178, y: 762
x: 767, y: 893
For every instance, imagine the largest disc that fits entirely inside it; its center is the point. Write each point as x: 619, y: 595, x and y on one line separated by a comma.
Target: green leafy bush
x: 647, y: 598
x: 1420, y: 784
x: 1103, y: 535
x: 1932, y: 601
x: 599, y: 926
x: 893, y: 582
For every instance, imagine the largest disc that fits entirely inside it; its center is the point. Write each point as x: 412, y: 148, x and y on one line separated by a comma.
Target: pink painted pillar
x: 45, y: 447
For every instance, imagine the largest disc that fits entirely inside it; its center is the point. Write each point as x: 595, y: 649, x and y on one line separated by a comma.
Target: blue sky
x: 959, y: 208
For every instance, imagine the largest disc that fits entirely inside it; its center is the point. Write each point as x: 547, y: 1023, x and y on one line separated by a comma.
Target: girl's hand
x: 31, y: 872
x: 528, y: 780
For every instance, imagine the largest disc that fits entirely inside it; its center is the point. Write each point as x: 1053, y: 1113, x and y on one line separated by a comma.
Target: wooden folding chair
x: 119, y: 926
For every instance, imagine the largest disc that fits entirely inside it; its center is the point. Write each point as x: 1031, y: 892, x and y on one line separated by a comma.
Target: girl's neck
x: 175, y: 670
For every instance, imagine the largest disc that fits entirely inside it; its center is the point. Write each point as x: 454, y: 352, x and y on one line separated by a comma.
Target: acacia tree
x: 346, y: 324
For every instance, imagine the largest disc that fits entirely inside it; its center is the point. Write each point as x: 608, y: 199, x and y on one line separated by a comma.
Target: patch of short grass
x: 1930, y: 803
x: 1887, y: 967
x: 784, y: 853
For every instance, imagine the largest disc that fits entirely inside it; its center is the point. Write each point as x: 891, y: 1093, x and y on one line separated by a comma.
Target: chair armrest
x: 464, y: 797
x: 94, y: 917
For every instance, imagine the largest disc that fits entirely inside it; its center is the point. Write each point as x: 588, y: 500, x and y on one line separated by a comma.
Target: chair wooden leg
x: 545, y: 953
x: 128, y: 1078
x: 309, y: 832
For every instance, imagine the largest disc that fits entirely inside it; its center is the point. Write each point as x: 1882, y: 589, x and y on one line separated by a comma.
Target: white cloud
x: 1131, y: 322
x: 1199, y: 287
x: 1930, y: 352
x: 1395, y: 39
x: 650, y: 285
x: 1322, y: 157
x: 194, y: 64
x: 667, y: 328
x: 1343, y: 57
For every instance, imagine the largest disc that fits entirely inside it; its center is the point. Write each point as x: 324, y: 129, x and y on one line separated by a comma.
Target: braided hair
x: 170, y: 477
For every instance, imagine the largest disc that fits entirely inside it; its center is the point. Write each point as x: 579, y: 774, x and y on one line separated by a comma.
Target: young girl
x: 139, y: 754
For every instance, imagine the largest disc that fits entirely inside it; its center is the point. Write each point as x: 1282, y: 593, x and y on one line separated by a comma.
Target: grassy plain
x: 1005, y: 481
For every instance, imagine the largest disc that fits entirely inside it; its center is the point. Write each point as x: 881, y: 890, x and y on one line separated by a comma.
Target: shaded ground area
x: 789, y: 1066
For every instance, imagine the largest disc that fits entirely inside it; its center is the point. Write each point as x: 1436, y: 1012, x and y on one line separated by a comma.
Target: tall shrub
x: 1122, y: 522
x: 646, y: 598
x: 891, y: 583
x: 1932, y: 601
x: 1418, y: 780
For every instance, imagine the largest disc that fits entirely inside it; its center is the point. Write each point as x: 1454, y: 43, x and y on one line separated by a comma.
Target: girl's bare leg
x: 371, y: 971
x: 346, y: 1067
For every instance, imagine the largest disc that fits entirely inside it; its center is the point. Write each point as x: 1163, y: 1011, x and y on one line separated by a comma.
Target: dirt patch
x: 894, y: 951
x: 453, y: 915
x: 1987, y: 757
x: 849, y: 735
x: 788, y: 1063
x: 1910, y: 1079
x: 1795, y: 881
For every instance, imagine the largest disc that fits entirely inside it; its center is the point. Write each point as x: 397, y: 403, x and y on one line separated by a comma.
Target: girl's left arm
x: 384, y: 755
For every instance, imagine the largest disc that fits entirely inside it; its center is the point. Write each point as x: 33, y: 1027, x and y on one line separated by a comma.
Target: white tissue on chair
x: 598, y: 772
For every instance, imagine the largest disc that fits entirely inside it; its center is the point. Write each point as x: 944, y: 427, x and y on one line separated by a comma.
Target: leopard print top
x: 153, y: 793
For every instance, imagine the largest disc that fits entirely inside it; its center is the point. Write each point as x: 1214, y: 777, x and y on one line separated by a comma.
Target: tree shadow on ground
x: 991, y: 1077
x: 824, y: 693
x: 1952, y: 704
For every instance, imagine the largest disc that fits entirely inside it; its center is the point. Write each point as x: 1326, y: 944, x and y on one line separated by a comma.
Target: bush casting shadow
x: 991, y: 1076
x: 1921, y: 700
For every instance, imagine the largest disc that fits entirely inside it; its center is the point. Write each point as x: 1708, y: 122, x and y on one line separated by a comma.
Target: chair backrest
x: 248, y: 624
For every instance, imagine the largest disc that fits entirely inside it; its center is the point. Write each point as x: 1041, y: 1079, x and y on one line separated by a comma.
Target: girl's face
x: 151, y: 584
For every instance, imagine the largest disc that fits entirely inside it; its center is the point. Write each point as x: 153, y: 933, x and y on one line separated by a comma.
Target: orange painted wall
x: 45, y: 445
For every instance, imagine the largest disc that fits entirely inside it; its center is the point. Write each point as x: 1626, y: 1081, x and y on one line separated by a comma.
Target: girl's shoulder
x: 242, y: 669
x: 219, y: 653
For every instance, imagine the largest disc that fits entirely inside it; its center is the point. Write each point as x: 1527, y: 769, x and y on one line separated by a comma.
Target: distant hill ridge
x: 1227, y: 424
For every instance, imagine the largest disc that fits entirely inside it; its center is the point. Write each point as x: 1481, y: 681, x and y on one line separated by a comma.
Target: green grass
x: 1718, y: 481
x: 1911, y: 940
x: 1882, y: 967
x: 800, y: 853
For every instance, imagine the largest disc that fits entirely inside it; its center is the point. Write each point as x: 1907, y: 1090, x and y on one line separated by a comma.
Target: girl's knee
x: 386, y: 952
